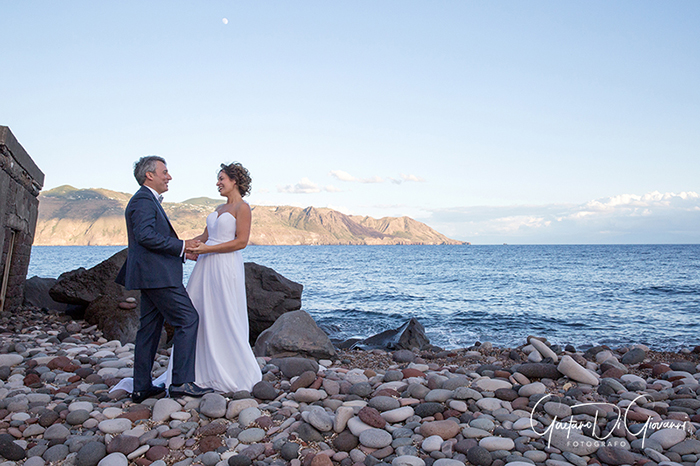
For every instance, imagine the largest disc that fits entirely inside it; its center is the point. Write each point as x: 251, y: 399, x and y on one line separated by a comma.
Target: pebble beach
x: 537, y: 404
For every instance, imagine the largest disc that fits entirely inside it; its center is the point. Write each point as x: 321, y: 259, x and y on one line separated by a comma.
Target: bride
x: 224, y: 359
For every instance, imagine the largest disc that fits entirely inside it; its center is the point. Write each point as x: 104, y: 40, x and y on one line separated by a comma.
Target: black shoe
x: 138, y: 397
x: 188, y: 389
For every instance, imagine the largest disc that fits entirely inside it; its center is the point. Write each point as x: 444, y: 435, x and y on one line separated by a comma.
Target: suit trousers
x: 171, y: 305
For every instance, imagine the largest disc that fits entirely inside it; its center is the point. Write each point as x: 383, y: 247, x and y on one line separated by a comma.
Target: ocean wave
x: 582, y: 295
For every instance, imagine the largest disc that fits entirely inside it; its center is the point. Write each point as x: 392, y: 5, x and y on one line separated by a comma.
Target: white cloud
x: 627, y: 218
x: 412, y: 178
x: 518, y: 222
x: 635, y: 205
x: 649, y: 199
x: 345, y: 176
x: 305, y: 186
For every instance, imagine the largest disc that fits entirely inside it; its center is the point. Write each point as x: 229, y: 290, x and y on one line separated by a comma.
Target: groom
x: 154, y: 266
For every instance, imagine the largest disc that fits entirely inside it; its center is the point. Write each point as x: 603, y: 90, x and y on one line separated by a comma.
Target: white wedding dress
x: 224, y: 359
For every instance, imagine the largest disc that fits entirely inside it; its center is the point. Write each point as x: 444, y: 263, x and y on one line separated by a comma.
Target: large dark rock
x: 410, y: 335
x: 96, y: 290
x: 269, y: 296
x: 36, y: 294
x: 83, y: 286
x: 115, y: 323
x: 294, y: 334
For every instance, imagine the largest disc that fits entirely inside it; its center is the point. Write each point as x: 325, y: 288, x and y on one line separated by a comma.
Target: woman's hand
x: 201, y: 248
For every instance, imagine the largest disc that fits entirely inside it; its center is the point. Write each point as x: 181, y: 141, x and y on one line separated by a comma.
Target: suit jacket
x: 154, y: 259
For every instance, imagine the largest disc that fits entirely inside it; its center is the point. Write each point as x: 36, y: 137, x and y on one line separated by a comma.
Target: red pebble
x: 137, y: 415
x: 171, y: 433
x: 371, y: 417
x: 412, y: 373
x: 317, y: 383
x: 59, y: 362
x: 32, y: 381
x: 321, y: 460
x: 157, y: 452
x: 659, y: 369
x: 209, y: 443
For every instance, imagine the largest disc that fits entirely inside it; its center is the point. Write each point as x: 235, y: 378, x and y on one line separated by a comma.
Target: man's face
x: 158, y: 179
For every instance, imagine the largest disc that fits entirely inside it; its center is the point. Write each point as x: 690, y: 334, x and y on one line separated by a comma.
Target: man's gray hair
x: 146, y: 165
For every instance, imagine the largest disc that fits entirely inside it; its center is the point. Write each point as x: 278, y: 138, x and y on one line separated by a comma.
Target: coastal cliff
x: 79, y: 217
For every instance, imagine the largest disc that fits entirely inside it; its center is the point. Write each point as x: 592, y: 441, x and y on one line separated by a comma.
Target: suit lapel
x: 160, y: 207
x: 166, y: 217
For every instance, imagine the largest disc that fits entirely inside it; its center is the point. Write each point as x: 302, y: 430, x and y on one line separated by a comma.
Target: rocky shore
x: 537, y: 404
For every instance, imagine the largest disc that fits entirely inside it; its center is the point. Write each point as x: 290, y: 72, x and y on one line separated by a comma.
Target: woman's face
x: 225, y: 184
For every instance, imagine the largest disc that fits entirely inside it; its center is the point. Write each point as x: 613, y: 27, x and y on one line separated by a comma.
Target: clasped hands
x: 193, y: 248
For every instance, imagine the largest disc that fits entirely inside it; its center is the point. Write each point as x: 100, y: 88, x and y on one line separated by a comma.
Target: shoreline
x: 484, y: 294
x: 362, y: 408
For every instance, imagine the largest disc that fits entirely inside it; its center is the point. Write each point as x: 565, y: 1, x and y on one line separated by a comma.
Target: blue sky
x: 518, y: 122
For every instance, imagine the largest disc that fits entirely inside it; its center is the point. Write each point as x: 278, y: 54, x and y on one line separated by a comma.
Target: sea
x: 582, y: 295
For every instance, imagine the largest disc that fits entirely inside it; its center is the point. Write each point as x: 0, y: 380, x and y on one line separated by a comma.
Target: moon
x: 225, y: 20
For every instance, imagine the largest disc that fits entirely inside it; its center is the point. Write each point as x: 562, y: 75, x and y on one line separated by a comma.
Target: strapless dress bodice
x: 221, y: 228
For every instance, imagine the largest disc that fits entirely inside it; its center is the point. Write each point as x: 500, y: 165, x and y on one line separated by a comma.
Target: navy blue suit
x: 154, y: 266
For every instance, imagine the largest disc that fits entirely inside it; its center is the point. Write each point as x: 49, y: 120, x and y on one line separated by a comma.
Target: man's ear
x: 150, y: 175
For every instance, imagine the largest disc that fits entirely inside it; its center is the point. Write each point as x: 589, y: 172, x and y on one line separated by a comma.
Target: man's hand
x: 191, y: 244
x: 191, y: 256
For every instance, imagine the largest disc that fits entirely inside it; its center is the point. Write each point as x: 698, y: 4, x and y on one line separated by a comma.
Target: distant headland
x: 80, y: 217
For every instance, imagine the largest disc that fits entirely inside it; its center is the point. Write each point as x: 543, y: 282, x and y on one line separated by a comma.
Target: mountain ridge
x: 80, y: 217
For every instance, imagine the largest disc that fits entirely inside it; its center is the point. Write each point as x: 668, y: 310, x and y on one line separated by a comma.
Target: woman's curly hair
x: 240, y: 175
